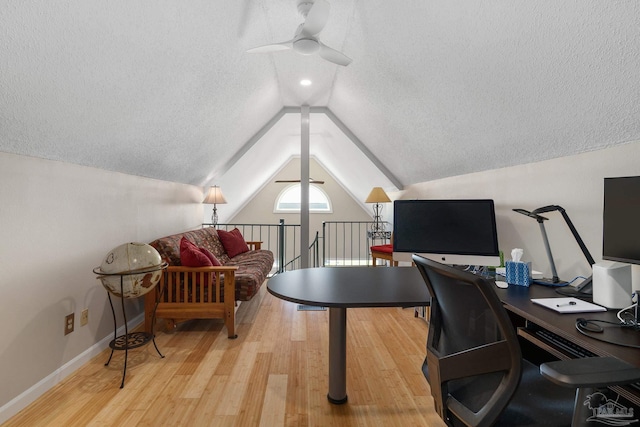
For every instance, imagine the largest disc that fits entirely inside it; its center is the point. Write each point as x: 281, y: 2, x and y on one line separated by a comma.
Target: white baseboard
x: 30, y: 395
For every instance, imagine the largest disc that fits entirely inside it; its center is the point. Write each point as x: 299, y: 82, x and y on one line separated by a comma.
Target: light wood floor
x: 274, y: 374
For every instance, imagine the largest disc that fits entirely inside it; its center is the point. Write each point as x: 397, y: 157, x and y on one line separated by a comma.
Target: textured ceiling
x: 436, y: 88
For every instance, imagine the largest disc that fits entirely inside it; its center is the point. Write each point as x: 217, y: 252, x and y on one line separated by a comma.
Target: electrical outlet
x: 84, y: 317
x: 68, y: 323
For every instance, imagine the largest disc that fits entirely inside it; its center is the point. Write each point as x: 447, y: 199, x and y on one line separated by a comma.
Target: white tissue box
x: 518, y: 273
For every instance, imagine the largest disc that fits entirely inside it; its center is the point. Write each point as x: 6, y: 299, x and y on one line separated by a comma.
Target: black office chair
x: 475, y: 368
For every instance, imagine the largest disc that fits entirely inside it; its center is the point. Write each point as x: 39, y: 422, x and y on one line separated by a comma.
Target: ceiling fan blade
x: 316, y: 18
x: 244, y: 18
x: 289, y: 181
x: 333, y: 55
x: 274, y: 47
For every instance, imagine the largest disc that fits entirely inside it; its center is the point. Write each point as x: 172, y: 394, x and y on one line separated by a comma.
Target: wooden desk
x: 340, y: 288
x: 528, y: 317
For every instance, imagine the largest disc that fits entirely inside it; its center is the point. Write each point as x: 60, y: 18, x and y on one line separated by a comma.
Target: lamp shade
x: 214, y: 196
x: 377, y: 195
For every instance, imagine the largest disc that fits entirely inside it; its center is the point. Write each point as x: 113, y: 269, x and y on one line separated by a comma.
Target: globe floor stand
x: 129, y: 340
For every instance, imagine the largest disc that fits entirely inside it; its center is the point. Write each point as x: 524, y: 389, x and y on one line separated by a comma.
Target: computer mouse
x: 501, y: 284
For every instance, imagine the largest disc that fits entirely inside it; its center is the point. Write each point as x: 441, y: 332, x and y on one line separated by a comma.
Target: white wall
x: 261, y: 207
x: 574, y: 183
x: 57, y: 222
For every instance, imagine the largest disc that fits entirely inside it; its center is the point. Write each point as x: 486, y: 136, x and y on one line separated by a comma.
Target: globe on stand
x: 138, y: 265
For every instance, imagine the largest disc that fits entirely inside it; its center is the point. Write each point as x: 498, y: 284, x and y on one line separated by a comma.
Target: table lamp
x: 214, y: 197
x: 377, y: 196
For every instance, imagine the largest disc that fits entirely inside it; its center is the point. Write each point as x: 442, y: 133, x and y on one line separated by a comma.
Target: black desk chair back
x: 474, y: 365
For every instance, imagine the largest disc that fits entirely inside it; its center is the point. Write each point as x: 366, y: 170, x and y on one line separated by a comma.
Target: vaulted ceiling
x: 165, y: 89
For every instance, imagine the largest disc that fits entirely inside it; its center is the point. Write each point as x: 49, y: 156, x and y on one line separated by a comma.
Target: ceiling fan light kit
x: 306, y: 46
x: 305, y: 40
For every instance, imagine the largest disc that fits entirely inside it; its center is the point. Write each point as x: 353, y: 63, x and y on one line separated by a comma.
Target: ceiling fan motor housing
x: 306, y: 46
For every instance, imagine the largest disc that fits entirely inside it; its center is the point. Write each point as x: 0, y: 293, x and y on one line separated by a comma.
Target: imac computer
x: 456, y: 232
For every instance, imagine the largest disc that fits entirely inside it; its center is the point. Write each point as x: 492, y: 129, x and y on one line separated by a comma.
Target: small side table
x: 134, y: 339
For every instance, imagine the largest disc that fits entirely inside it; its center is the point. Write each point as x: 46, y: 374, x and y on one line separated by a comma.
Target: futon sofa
x: 194, y: 288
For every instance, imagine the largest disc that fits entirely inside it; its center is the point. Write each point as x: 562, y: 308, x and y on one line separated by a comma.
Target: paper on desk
x: 564, y: 305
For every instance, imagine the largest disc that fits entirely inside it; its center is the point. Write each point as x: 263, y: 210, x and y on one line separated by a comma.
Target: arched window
x: 288, y: 200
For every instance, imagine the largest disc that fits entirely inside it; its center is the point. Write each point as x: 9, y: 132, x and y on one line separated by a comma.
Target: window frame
x: 289, y: 188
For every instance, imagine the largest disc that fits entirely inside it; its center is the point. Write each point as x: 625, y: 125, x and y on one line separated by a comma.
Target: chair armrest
x: 254, y: 245
x: 590, y: 372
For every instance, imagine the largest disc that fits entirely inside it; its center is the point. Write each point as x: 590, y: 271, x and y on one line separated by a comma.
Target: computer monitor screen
x: 461, y: 232
x: 621, y: 220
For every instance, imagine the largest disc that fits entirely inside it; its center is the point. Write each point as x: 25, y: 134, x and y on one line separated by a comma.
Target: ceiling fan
x: 305, y: 41
x: 311, y: 181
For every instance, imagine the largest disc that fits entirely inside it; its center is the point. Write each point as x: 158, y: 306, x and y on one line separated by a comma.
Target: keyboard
x: 563, y: 344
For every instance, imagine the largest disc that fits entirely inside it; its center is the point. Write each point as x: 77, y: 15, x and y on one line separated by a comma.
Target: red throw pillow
x: 212, y: 257
x: 233, y: 242
x: 192, y: 256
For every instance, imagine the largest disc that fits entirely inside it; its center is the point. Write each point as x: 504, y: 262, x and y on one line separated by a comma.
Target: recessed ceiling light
x: 305, y: 82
